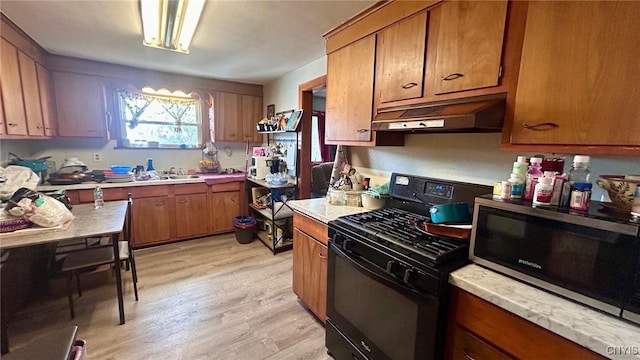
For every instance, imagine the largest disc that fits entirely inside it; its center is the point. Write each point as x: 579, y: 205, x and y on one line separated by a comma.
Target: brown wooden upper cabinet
x: 47, y: 101
x: 236, y: 117
x: 400, y: 57
x: 579, y: 75
x: 12, y: 100
x: 468, y: 37
x: 349, y: 102
x: 80, y: 103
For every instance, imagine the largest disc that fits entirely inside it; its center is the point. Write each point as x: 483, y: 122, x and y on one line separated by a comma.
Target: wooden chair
x: 97, y: 254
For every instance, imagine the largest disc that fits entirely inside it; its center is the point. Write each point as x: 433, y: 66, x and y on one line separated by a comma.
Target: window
x: 171, y: 120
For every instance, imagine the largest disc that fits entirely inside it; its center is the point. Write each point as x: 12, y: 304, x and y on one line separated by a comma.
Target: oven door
x: 377, y: 312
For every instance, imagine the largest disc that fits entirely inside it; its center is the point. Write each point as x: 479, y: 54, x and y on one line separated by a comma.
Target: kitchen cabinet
x: 31, y: 95
x: 480, y: 330
x: 578, y: 76
x: 310, y: 239
x: 151, y: 220
x: 192, y: 217
x: 236, y: 117
x: 468, y: 37
x: 80, y: 104
x: 251, y: 113
x: 400, y: 56
x: 47, y: 101
x: 12, y: 100
x: 349, y: 102
x: 2, y: 122
x: 225, y: 205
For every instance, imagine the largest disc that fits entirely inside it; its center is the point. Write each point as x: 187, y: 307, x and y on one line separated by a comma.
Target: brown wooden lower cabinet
x: 480, y: 330
x: 166, y: 213
x: 310, y: 264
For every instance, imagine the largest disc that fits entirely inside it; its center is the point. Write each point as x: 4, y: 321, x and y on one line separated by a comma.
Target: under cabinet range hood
x: 482, y: 114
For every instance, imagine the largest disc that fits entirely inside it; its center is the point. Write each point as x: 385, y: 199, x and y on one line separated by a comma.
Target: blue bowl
x: 120, y: 169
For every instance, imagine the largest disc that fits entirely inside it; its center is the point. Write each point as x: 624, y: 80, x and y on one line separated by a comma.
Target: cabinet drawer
x: 467, y: 346
x: 189, y: 188
x: 230, y: 186
x: 313, y: 228
x: 149, y: 191
x: 109, y: 194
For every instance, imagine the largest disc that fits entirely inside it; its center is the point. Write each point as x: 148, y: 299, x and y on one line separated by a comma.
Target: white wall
x: 283, y: 92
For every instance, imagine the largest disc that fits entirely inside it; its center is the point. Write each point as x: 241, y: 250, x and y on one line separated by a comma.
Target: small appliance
x: 259, y: 172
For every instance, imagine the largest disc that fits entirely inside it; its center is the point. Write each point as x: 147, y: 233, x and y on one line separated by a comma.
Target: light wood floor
x: 210, y: 298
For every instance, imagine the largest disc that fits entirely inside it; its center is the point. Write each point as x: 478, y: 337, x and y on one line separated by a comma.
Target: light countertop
x: 209, y: 179
x: 587, y: 327
x: 320, y: 210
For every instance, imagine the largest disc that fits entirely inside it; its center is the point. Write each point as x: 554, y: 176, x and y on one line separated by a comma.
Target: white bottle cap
x: 581, y: 159
x: 517, y: 176
x: 545, y: 180
x: 549, y: 174
x: 522, y: 159
x: 535, y: 160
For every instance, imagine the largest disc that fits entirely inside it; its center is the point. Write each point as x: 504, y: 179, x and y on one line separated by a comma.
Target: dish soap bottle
x: 150, y: 165
x: 534, y: 172
x: 98, y: 197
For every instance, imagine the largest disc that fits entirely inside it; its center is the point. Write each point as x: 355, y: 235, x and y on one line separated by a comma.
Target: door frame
x: 305, y: 102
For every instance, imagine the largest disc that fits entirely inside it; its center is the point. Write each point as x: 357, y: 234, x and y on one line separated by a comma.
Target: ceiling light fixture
x: 170, y: 24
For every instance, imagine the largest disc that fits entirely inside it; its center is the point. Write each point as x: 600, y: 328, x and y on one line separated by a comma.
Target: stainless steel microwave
x: 592, y: 257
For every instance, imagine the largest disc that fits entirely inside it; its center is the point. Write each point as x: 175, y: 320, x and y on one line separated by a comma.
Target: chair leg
x: 70, y: 295
x: 134, y: 274
x: 78, y: 283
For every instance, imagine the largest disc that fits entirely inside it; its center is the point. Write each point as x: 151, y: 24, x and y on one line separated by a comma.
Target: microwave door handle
x: 374, y: 272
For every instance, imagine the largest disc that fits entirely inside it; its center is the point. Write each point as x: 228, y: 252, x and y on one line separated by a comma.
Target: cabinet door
x: 151, y: 220
x: 224, y: 207
x: 16, y: 120
x: 80, y: 105
x: 31, y: 95
x: 349, y: 99
x: 46, y: 101
x: 400, y: 59
x: 251, y: 114
x: 579, y: 75
x: 192, y: 217
x: 310, y: 273
x: 469, y: 37
x: 2, y: 122
x: 467, y: 346
x: 227, y: 119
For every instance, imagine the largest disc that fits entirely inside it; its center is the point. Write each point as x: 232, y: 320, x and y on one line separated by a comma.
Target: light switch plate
x: 97, y: 157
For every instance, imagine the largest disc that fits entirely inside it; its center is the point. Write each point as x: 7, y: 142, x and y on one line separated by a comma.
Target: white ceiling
x: 247, y: 41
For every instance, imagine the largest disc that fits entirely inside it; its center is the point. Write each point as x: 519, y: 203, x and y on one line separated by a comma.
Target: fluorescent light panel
x: 170, y: 24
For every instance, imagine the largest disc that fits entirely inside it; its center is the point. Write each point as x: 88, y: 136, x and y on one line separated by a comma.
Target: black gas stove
x: 383, y: 263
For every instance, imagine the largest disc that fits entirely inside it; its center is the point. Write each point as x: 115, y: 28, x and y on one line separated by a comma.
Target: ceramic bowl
x: 621, y: 190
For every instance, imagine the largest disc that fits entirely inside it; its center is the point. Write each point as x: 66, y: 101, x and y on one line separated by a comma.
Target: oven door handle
x: 375, y: 272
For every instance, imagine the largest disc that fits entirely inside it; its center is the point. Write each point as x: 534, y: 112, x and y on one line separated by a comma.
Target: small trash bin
x: 245, y: 228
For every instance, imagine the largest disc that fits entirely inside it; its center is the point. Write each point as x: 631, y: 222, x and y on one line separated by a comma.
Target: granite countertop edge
x: 320, y: 210
x: 209, y: 180
x: 589, y: 328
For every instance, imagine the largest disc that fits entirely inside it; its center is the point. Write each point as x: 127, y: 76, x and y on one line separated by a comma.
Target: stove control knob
x: 392, y: 266
x: 337, y: 239
x: 408, y: 276
x: 347, y: 245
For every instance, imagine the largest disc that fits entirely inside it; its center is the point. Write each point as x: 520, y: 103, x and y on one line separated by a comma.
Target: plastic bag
x: 14, y: 177
x: 44, y: 211
x: 22, y: 193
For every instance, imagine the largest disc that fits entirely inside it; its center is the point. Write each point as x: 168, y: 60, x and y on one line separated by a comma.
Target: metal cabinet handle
x: 183, y: 201
x: 363, y: 130
x: 452, y: 76
x: 160, y: 203
x: 322, y: 256
x: 540, y: 126
x: 409, y: 85
x: 38, y: 127
x: 467, y: 356
x: 12, y: 124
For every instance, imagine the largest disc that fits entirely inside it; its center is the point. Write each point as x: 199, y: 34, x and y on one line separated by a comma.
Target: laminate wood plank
x: 210, y: 298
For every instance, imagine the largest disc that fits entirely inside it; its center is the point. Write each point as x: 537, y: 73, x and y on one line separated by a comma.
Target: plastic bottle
x: 520, y: 166
x: 580, y: 196
x: 517, y: 185
x: 579, y: 173
x: 150, y: 164
x: 98, y: 198
x: 534, y: 172
x: 543, y: 191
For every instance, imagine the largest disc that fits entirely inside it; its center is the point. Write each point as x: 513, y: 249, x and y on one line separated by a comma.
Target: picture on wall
x: 271, y: 111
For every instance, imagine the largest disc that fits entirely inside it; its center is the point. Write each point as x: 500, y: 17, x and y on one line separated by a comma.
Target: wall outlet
x: 97, y: 157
